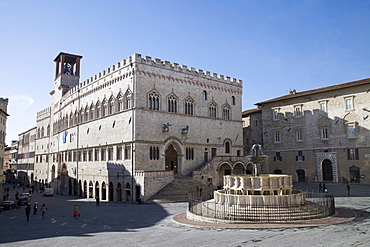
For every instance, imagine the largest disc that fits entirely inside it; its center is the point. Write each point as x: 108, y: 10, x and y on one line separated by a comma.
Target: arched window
x: 86, y: 113
x: 204, y: 95
x: 153, y: 101
x: 120, y: 103
x: 111, y: 106
x: 212, y: 110
x: 232, y: 100
x: 128, y: 97
x: 97, y: 110
x: 172, y: 103
x: 91, y: 112
x: 104, y: 108
x: 48, y: 130
x: 189, y: 106
x: 227, y: 147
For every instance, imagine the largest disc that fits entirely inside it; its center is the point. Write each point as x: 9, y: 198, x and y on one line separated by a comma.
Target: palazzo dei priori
x: 126, y: 132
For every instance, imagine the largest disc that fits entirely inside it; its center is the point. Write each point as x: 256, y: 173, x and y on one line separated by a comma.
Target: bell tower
x: 67, y: 71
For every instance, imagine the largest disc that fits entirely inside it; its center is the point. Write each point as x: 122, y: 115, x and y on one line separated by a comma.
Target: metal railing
x: 316, y: 206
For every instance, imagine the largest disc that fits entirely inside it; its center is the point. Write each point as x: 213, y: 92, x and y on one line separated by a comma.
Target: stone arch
x: 104, y: 191
x: 223, y: 169
x: 332, y: 158
x: 249, y: 169
x: 239, y: 169
x: 174, y: 155
x: 97, y: 189
x: 127, y: 192
x: 91, y: 189
x: 110, y: 195
x: 119, y: 192
x: 227, y: 145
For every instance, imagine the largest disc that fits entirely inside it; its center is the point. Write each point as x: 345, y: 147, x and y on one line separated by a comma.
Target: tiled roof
x: 250, y: 111
x: 294, y: 94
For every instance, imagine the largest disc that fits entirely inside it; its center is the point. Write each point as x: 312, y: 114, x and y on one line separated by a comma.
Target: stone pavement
x: 121, y: 224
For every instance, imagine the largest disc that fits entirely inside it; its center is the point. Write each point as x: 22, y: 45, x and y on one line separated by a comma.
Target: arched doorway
x: 327, y: 170
x: 354, y: 174
x: 128, y: 192
x: 103, y: 191
x: 249, y: 169
x: 301, y: 174
x: 119, y: 192
x: 91, y: 189
x: 224, y: 169
x: 85, y: 189
x: 110, y: 197
x: 171, y: 162
x: 138, y: 192
x: 238, y: 169
x: 97, y: 194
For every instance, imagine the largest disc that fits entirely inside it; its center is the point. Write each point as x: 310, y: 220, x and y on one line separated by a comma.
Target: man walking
x: 43, y: 210
x: 97, y: 200
x: 28, y: 211
x: 348, y: 189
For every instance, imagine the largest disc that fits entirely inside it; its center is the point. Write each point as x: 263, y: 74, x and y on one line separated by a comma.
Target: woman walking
x: 75, y: 212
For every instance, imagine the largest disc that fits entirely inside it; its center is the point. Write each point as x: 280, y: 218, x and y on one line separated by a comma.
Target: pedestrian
x: 97, y: 200
x: 4, y: 197
x: 325, y: 190
x: 348, y: 189
x: 35, y: 208
x: 76, y: 212
x: 43, y: 210
x: 28, y: 211
x: 320, y: 188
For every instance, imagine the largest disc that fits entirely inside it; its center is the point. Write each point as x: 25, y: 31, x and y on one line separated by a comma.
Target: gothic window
x: 38, y: 133
x: 104, y: 108
x: 189, y: 106
x: 212, y: 108
x: 48, y: 130
x: 86, y: 113
x: 81, y: 116
x: 120, y: 103
x: 71, y: 120
x: 91, y: 111
x: 75, y: 118
x: 233, y: 100
x: 97, y: 110
x: 128, y: 97
x: 226, y: 112
x: 153, y: 101
x: 111, y: 106
x: 278, y: 157
x: 172, y: 103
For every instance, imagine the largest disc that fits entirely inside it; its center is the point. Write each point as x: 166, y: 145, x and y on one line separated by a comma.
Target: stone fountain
x: 260, y: 198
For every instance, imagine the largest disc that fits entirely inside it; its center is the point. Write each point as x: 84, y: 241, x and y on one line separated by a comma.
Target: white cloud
x: 20, y: 100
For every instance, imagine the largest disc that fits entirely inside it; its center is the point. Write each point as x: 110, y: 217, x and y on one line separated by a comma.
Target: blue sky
x: 272, y: 45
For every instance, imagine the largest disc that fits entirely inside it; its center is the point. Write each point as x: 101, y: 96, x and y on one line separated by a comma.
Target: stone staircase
x: 178, y: 190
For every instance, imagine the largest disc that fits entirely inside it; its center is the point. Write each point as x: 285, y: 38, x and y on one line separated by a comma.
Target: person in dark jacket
x: 28, y: 211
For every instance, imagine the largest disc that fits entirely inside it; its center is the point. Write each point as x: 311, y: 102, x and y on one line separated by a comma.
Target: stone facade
x: 124, y: 133
x: 320, y: 135
x: 3, y: 117
x: 26, y: 157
